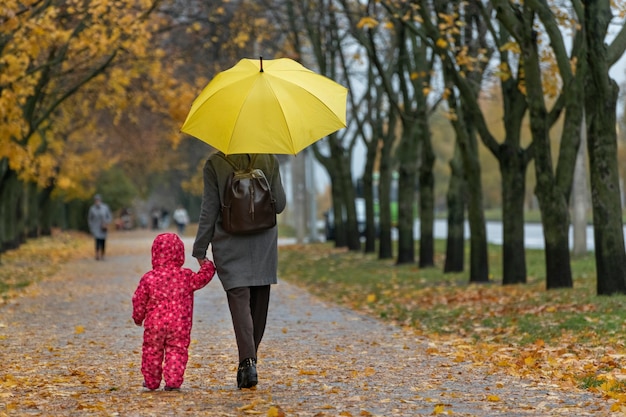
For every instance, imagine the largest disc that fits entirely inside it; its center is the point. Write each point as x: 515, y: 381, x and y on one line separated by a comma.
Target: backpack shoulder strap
x: 252, y: 160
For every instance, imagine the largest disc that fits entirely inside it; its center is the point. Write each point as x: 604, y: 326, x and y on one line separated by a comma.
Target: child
x: 163, y: 302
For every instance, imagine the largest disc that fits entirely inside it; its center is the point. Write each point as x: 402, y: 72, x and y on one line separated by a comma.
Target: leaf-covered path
x: 68, y: 347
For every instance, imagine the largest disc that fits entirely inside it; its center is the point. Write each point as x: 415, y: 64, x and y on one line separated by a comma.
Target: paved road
x: 533, y: 233
x: 69, y: 348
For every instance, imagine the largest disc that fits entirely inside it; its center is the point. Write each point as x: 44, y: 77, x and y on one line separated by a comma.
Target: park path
x: 68, y: 347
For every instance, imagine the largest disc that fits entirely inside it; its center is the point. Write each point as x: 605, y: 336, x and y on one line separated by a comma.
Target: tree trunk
x: 407, y: 158
x: 31, y: 209
x: 579, y: 199
x: 385, y: 247
x: 5, y: 218
x: 13, y: 230
x: 299, y: 197
x: 455, y: 243
x: 75, y: 214
x: 346, y: 188
x: 554, y: 218
x: 513, y: 170
x: 426, y: 198
x: 467, y: 144
x: 47, y: 211
x: 368, y: 195
x: 352, y: 227
x: 338, y: 208
x: 344, y: 209
x: 555, y: 229
x: 479, y: 260
x: 552, y: 199
x: 602, y: 143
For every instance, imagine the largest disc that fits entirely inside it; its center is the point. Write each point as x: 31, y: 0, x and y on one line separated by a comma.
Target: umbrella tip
x: 261, y: 62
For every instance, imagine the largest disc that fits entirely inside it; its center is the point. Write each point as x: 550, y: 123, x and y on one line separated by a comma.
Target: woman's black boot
x: 246, y: 373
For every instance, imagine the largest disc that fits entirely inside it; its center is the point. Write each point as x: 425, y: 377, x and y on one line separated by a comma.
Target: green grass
x: 447, y: 304
x: 565, y: 336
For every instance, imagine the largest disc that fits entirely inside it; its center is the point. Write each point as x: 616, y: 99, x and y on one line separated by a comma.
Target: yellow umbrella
x: 266, y: 106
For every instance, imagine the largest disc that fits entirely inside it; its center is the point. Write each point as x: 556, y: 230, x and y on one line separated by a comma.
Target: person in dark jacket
x: 246, y: 264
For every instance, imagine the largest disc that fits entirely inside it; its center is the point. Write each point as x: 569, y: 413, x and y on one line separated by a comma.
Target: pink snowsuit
x: 164, y: 299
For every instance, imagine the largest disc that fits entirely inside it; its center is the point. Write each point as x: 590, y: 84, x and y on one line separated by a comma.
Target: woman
x: 99, y: 218
x: 246, y: 264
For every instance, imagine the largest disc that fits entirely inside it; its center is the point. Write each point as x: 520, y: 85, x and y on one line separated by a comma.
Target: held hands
x: 207, y: 266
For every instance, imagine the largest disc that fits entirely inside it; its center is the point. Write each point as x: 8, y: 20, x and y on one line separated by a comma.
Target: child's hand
x: 138, y: 323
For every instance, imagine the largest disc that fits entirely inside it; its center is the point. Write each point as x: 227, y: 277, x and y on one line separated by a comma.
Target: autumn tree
x: 368, y: 113
x: 406, y: 78
x: 553, y: 185
x: 601, y: 93
x: 468, y: 79
x: 461, y: 39
x: 376, y: 50
x: 49, y: 51
x: 587, y: 27
x: 313, y: 35
x: 437, y: 29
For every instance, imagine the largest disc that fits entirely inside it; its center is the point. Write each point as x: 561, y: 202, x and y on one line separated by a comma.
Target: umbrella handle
x: 261, y: 62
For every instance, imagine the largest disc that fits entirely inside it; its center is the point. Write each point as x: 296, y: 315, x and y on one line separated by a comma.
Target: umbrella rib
x: 282, y: 111
x: 322, y: 102
x: 300, y: 86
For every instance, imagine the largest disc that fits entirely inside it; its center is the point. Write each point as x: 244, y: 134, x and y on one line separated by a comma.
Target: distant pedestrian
x: 163, y: 302
x: 165, y: 219
x: 181, y: 218
x: 99, y: 219
x: 156, y: 216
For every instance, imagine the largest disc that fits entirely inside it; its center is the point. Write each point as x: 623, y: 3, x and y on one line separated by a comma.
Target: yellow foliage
x: 451, y: 115
x: 66, y: 148
x: 573, y: 63
x: 367, y: 22
x: 447, y: 21
x: 504, y: 72
x: 275, y: 411
x: 511, y: 47
x: 442, y: 43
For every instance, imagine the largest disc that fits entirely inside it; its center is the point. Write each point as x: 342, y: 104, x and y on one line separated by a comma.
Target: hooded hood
x: 168, y: 251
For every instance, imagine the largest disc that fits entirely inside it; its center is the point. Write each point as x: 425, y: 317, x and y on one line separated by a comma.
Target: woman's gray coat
x: 99, y: 216
x: 241, y: 260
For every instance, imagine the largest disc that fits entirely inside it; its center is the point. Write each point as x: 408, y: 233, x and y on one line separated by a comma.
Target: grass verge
x: 39, y: 258
x: 572, y: 335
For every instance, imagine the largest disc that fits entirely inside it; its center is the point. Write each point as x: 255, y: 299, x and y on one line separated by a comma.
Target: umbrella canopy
x: 267, y: 106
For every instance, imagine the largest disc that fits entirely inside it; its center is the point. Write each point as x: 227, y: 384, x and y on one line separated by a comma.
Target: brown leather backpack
x: 248, y: 205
